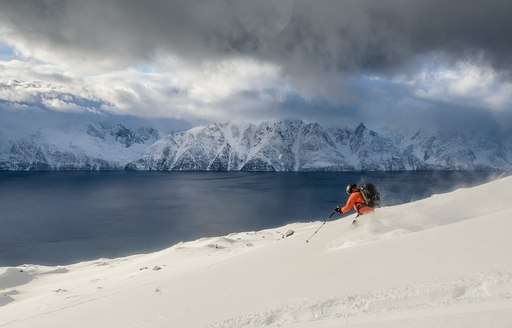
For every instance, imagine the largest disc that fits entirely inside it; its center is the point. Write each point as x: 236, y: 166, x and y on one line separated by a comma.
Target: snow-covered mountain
x: 90, y: 146
x: 288, y: 145
x: 298, y: 146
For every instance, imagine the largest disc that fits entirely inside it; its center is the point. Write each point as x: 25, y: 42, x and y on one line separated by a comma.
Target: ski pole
x: 355, y: 219
x: 307, y: 241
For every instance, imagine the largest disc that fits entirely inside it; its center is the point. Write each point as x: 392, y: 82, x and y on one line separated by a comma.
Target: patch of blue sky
x: 144, y: 68
x: 6, y: 52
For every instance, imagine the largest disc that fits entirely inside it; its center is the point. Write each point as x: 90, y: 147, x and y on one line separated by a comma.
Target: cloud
x: 170, y: 88
x: 324, y: 34
x: 465, y: 84
x: 215, y: 59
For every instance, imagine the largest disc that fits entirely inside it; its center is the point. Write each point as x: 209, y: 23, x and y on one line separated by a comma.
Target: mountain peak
x: 286, y: 145
x: 360, y: 128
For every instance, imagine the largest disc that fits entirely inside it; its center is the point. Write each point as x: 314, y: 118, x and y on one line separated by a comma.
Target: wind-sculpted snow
x: 299, y: 146
x: 398, y: 303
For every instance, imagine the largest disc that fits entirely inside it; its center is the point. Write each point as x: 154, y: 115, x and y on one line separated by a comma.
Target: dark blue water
x: 63, y: 217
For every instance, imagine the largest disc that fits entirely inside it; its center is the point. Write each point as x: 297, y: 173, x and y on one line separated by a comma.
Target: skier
x: 356, y: 201
x: 362, y: 204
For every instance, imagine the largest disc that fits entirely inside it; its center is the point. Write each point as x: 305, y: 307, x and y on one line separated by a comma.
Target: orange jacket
x: 355, y: 199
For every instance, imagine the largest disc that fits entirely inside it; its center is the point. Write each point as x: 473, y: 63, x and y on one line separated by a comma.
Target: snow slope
x: 444, y: 261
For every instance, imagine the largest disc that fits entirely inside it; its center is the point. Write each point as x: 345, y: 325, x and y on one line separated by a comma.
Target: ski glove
x: 337, y: 209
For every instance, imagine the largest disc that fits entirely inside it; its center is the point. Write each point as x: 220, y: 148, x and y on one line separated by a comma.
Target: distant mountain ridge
x: 287, y: 145
x: 298, y: 146
x: 91, y: 146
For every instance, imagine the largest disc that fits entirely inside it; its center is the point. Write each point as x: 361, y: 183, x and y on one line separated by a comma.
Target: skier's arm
x: 350, y: 203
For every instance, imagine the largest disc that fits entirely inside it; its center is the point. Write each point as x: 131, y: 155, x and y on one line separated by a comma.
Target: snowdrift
x: 444, y: 261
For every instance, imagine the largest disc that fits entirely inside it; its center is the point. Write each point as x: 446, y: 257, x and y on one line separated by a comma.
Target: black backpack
x: 370, y: 194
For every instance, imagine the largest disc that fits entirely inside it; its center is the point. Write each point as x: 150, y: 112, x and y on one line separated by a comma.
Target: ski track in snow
x: 484, y: 289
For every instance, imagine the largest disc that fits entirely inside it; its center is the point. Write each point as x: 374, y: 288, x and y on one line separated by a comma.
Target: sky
x: 407, y: 63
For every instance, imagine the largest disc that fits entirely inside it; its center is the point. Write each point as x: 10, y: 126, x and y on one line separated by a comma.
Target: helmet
x: 350, y: 187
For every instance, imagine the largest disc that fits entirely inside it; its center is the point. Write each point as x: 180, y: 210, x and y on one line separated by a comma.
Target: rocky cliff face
x: 270, y: 146
x: 299, y: 146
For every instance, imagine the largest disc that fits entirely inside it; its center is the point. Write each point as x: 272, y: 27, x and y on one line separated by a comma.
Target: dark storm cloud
x: 118, y: 30
x: 380, y: 36
x: 426, y: 62
x: 303, y: 36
